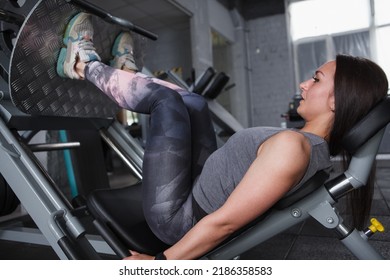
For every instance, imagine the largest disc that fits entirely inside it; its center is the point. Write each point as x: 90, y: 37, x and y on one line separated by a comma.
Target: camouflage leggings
x: 181, y: 139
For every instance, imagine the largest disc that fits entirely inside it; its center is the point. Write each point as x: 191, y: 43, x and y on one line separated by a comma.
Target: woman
x: 196, y: 208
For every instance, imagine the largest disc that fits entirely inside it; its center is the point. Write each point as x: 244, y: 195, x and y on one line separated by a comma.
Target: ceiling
x: 251, y: 9
x: 149, y: 14
x: 156, y: 14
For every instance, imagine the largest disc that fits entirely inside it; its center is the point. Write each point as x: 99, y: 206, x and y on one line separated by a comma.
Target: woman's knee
x: 166, y: 95
x: 172, y: 229
x: 195, y: 101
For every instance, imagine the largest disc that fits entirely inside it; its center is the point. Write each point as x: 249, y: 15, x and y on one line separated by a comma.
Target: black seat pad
x: 121, y: 210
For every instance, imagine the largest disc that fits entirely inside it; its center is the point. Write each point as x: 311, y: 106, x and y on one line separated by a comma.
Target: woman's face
x: 318, y: 93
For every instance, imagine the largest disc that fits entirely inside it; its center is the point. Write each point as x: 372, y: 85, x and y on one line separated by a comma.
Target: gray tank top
x: 225, y: 168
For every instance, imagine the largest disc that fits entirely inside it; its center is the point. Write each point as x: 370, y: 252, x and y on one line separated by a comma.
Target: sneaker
x: 78, y: 40
x: 122, y: 51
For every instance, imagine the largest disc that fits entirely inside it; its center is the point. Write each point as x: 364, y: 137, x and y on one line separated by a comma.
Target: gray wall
x: 171, y: 50
x: 271, y: 75
x: 260, y: 63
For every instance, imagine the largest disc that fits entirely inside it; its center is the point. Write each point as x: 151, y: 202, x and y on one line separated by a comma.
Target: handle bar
x: 112, y: 19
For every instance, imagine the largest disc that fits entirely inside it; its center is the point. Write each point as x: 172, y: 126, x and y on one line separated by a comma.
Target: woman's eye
x: 316, y: 80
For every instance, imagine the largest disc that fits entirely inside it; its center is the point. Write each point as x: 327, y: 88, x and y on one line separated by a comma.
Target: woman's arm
x: 280, y: 164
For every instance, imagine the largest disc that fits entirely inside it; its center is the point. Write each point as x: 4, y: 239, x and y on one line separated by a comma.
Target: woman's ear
x: 331, y: 102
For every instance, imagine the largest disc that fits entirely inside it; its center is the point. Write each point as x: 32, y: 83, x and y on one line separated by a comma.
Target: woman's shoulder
x: 290, y: 138
x: 287, y: 143
x: 263, y: 134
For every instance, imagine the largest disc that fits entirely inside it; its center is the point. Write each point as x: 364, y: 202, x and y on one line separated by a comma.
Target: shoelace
x: 129, y: 57
x: 86, y: 45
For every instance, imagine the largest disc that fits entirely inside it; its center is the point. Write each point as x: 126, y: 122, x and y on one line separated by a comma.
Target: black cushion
x: 217, y: 85
x: 372, y: 123
x: 308, y: 187
x: 121, y: 210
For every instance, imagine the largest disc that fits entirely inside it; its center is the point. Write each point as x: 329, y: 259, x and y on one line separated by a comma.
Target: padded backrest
x: 216, y: 87
x: 203, y: 81
x: 372, y: 123
x: 311, y: 185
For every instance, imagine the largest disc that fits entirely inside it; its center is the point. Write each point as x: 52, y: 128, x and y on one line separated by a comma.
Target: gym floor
x: 307, y: 241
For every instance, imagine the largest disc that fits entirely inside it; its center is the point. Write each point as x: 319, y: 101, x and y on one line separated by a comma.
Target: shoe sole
x: 60, y: 63
x: 114, y: 49
x: 63, y: 53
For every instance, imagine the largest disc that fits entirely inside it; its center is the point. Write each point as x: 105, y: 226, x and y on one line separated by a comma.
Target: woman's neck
x: 319, y: 128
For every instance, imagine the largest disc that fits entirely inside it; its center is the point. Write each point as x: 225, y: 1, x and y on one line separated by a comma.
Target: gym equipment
x: 216, y: 87
x: 210, y: 84
x: 33, y: 98
x: 292, y: 118
x: 202, y: 81
x: 227, y: 124
x: 317, y: 199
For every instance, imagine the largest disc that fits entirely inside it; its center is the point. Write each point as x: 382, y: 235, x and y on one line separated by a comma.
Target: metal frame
x: 125, y: 146
x: 48, y: 208
x: 27, y: 179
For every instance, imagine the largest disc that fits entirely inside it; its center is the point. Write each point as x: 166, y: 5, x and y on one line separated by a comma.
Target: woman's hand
x: 137, y: 256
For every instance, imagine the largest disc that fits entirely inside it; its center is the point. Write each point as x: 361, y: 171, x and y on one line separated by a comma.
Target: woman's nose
x: 304, y: 85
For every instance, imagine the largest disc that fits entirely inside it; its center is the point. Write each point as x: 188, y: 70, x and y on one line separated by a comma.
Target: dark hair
x: 359, y: 84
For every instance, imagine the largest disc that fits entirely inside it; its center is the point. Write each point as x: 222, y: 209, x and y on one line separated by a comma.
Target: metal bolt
x: 296, y: 213
x: 330, y: 220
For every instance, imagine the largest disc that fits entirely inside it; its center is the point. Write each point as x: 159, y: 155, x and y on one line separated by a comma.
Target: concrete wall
x: 240, y: 104
x: 271, y: 75
x: 207, y: 15
x: 260, y: 64
x: 171, y: 50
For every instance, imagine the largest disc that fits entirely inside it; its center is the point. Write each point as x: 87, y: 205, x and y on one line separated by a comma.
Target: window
x: 323, y: 17
x: 320, y: 29
x: 382, y: 26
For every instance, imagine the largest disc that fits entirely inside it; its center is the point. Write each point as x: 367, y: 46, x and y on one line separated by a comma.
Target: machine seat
x: 121, y: 211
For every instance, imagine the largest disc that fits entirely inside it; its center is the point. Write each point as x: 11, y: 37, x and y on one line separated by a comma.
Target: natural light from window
x: 321, y: 17
x: 382, y: 12
x: 383, y: 46
x: 382, y: 17
x: 312, y: 19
